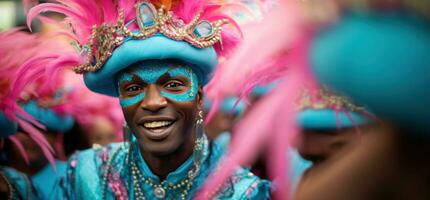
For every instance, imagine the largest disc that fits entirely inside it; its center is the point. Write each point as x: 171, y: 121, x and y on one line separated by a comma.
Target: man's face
x: 160, y: 101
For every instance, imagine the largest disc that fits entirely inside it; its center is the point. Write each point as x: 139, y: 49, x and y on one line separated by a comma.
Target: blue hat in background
x: 327, y: 119
x: 227, y: 105
x: 380, y: 60
x: 49, y: 118
x: 7, y: 127
x: 328, y: 112
x: 157, y: 47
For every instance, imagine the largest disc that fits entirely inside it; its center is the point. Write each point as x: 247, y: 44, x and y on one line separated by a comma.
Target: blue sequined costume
x: 106, y: 173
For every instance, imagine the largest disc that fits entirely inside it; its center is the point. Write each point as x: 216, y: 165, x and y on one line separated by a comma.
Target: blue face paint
x: 151, y: 72
x: 126, y: 102
x: 191, y: 93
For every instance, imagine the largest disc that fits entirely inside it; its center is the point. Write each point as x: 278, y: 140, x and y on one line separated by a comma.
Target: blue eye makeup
x: 151, y: 74
x: 191, y: 93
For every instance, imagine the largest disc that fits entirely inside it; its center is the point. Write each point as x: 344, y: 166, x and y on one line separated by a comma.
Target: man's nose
x: 153, y: 100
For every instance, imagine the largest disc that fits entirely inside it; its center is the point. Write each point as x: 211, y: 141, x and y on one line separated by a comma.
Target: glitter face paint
x: 151, y: 74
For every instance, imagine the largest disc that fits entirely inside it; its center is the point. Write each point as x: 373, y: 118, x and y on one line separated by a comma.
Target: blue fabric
x: 227, y: 105
x: 380, y: 60
x: 7, y: 127
x: 21, y: 184
x: 86, y: 169
x: 49, y: 118
x: 47, y: 181
x: 157, y: 47
x: 326, y: 119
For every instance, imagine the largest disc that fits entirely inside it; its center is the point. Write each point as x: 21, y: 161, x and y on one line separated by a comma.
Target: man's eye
x: 133, y: 88
x: 173, y: 85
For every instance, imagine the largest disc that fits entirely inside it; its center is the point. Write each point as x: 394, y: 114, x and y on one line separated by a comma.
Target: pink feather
x: 40, y: 140
x: 53, y: 8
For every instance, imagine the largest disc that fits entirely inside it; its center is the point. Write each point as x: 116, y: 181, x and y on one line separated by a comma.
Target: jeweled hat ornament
x: 116, y: 34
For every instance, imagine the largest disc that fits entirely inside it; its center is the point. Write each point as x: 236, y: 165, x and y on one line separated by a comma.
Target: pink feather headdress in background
x: 37, y: 81
x: 16, y: 47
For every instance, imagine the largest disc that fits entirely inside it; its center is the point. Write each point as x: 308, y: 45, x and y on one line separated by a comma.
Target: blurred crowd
x: 320, y: 99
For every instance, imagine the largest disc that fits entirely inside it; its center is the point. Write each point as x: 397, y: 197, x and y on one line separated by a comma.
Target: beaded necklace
x: 160, y: 188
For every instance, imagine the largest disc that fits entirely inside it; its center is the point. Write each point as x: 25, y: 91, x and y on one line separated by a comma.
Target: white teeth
x: 157, y: 124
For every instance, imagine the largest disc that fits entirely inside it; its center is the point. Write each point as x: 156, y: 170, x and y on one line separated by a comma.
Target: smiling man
x: 155, y: 57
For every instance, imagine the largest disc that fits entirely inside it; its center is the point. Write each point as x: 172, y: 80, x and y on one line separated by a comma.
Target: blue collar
x: 173, y: 177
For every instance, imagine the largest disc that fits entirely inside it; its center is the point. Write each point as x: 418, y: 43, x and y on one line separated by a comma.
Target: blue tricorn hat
x: 380, y: 60
x: 157, y: 47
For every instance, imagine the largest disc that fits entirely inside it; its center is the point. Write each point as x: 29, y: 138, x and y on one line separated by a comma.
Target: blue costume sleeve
x: 84, y: 173
x: 82, y: 178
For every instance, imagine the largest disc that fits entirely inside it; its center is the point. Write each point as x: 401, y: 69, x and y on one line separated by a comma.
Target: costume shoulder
x: 85, y: 170
x: 244, y: 185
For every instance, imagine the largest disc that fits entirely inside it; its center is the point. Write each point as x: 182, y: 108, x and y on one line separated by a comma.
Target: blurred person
x: 328, y: 124
x: 59, y: 108
x: 391, y: 78
x: 50, y: 108
x: 23, y: 145
x: 331, y: 125
x: 166, y: 154
x: 39, y: 107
